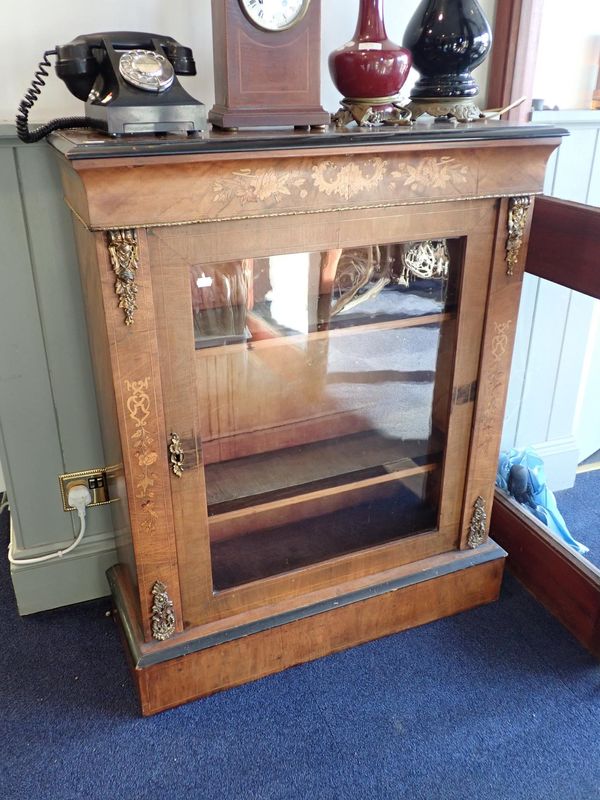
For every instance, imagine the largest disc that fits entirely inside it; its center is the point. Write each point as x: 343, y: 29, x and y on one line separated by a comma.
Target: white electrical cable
x: 79, y: 497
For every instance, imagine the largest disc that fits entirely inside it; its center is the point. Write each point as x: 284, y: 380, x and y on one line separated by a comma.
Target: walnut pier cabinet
x: 301, y: 345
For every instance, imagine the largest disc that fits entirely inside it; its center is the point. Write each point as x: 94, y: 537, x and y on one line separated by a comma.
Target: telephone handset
x: 128, y: 82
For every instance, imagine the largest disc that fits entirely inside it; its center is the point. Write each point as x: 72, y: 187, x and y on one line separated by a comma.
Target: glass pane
x: 550, y: 461
x: 324, y: 385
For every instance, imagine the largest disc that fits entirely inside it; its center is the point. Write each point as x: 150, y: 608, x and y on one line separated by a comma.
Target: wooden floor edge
x: 231, y: 663
x: 556, y: 578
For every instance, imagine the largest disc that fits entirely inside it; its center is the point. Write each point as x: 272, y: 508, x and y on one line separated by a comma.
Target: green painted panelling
x: 48, y: 416
x: 56, y: 276
x: 33, y: 451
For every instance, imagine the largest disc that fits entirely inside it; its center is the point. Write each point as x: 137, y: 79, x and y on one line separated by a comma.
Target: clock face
x: 274, y: 15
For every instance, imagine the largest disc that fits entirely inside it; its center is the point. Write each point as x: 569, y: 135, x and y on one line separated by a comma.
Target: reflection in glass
x: 570, y: 517
x: 522, y: 475
x: 552, y: 420
x: 324, y: 386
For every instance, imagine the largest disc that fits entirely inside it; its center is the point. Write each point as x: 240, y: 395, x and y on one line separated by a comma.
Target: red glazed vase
x: 370, y: 66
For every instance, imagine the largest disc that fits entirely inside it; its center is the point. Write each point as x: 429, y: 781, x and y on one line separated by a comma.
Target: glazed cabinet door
x: 319, y: 375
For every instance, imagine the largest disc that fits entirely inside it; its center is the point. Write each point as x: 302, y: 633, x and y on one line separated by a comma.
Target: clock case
x: 266, y: 78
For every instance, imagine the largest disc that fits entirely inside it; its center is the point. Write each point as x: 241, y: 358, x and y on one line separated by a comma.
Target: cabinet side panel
x: 105, y: 395
x: 135, y: 399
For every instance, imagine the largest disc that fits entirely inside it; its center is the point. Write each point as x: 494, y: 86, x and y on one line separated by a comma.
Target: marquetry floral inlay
x: 432, y: 173
x: 500, y: 340
x: 494, y: 386
x: 350, y: 179
x: 138, y: 406
x: 336, y: 178
x: 264, y: 185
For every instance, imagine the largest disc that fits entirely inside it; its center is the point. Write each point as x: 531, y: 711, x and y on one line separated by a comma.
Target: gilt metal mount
x: 450, y: 109
x: 176, y: 455
x: 376, y: 111
x: 163, y: 615
x: 518, y: 210
x: 125, y: 260
x: 477, y: 528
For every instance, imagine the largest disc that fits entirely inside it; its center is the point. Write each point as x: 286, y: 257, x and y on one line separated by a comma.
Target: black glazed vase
x: 447, y: 39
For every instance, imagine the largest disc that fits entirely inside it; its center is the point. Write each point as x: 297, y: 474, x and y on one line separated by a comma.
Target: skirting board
x: 560, y: 457
x: 193, y: 665
x: 74, y: 578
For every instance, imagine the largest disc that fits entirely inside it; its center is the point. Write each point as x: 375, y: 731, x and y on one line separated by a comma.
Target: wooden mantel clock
x: 267, y: 63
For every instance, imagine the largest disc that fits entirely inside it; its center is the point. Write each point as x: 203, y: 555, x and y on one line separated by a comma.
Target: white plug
x: 79, y: 497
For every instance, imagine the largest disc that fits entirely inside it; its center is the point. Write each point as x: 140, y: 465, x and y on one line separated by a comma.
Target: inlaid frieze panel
x: 256, y: 187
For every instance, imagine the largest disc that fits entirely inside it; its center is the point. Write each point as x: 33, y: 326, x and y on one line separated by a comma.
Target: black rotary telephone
x: 127, y: 81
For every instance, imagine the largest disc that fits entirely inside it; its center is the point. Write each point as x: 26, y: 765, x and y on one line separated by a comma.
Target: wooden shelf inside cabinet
x: 357, y: 460
x: 301, y: 347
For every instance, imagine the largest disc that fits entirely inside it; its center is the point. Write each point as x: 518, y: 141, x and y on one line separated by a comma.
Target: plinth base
x: 219, y: 655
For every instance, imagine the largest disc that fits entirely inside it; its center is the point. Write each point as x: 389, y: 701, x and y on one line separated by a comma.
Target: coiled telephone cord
x: 22, y: 120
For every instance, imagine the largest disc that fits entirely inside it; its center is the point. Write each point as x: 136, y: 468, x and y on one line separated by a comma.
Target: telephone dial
x: 127, y: 81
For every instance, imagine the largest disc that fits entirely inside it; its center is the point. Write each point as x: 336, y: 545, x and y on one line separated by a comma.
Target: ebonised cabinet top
x: 84, y: 144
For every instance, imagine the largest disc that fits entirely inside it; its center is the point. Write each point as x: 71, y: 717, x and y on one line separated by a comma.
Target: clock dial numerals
x: 274, y: 15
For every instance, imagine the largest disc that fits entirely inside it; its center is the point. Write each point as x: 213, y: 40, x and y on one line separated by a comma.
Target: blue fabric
x: 536, y: 496
x: 499, y: 703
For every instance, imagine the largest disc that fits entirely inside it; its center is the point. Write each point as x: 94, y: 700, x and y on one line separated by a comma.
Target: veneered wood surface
x: 558, y: 579
x: 94, y: 300
x: 564, y: 245
x: 132, y: 355
x: 434, y: 565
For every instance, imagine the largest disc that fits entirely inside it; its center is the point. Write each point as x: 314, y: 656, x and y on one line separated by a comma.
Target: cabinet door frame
x: 171, y: 253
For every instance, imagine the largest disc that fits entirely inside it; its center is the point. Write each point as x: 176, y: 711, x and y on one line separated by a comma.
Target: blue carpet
x: 580, y: 507
x: 496, y: 703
